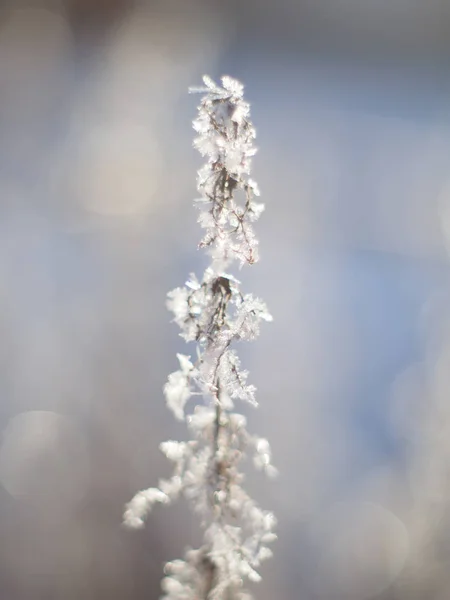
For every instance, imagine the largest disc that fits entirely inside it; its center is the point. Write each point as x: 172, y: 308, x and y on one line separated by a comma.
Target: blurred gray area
x: 97, y: 175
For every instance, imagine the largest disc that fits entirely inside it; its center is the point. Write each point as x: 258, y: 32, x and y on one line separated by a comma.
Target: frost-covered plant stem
x: 214, y: 314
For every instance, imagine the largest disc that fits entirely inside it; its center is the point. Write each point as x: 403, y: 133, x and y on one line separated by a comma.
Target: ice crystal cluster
x: 215, y: 315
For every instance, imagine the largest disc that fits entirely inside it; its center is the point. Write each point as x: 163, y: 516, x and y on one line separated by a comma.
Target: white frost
x: 212, y: 312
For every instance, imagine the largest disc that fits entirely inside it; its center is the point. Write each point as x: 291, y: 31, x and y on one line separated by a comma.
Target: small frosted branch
x: 139, y: 507
x: 212, y: 312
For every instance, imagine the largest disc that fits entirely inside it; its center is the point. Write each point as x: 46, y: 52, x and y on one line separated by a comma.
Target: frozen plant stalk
x: 215, y: 314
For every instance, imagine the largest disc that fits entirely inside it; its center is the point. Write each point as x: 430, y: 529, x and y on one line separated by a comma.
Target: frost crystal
x: 215, y: 314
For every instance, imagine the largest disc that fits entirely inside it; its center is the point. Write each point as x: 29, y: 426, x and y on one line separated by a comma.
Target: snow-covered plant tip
x: 213, y: 313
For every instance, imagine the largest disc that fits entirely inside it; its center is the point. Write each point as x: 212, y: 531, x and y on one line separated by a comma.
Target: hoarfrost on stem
x: 215, y: 314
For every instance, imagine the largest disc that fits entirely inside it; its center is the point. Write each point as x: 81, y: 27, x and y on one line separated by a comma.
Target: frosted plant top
x: 227, y: 203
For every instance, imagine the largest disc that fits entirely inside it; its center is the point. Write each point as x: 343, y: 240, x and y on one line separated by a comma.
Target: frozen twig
x: 213, y: 313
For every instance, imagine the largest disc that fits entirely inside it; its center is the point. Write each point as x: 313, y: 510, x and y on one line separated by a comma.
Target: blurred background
x: 351, y: 100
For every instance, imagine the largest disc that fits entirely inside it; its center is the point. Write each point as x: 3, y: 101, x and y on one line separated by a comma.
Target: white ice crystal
x: 216, y: 315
